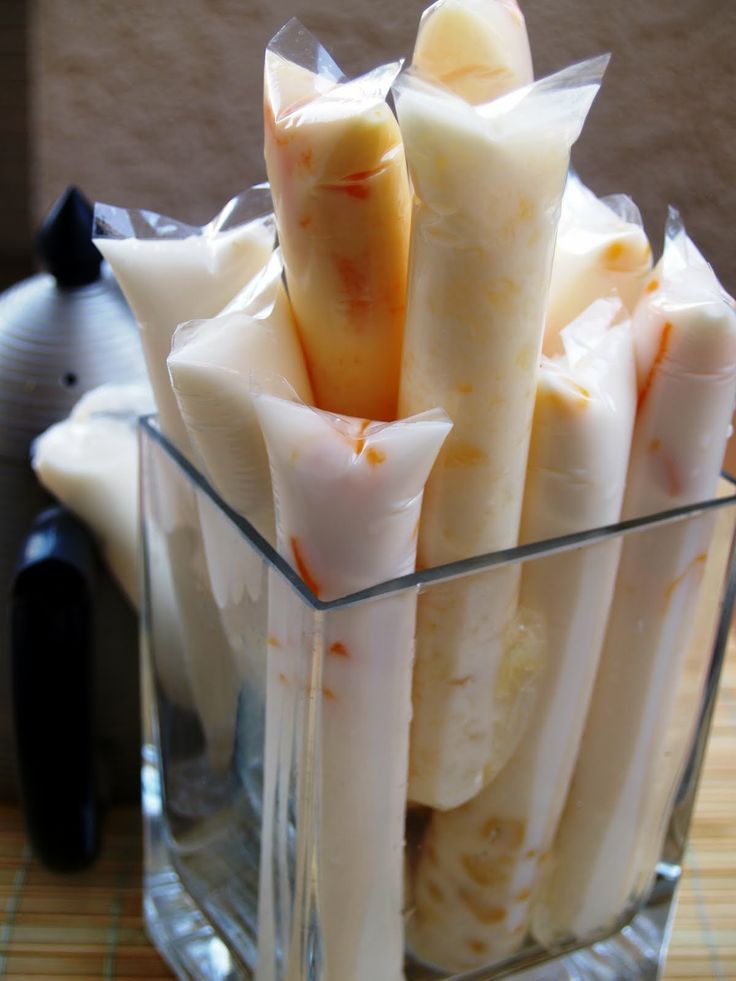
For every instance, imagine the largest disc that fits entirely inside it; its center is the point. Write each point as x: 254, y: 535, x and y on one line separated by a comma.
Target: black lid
x: 64, y: 242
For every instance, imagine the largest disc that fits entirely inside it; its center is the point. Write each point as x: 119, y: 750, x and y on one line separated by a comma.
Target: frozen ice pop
x: 90, y: 463
x: 480, y: 864
x: 685, y: 341
x: 601, y: 248
x: 478, y: 49
x: 171, y: 272
x: 488, y: 181
x: 348, y: 494
x: 342, y: 200
x: 216, y: 366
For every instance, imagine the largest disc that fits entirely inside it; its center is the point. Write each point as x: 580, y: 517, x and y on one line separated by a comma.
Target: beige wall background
x: 157, y: 103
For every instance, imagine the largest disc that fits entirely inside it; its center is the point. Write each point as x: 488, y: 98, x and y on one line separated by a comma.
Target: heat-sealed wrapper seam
x: 332, y: 91
x: 113, y: 221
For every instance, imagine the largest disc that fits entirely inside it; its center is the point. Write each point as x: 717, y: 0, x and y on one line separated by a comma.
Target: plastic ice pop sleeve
x: 479, y: 865
x: 342, y: 200
x: 90, y: 463
x: 478, y: 49
x: 601, y: 248
x: 348, y: 494
x: 216, y: 366
x: 488, y: 181
x: 171, y: 272
x: 685, y: 341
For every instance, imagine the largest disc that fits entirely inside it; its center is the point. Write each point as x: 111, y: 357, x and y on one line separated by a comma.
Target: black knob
x: 64, y: 242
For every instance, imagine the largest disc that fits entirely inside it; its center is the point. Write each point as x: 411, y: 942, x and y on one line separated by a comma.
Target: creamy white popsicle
x: 348, y: 495
x: 216, y: 367
x: 478, y: 49
x: 488, y: 181
x: 171, y: 272
x: 342, y: 200
x: 601, y: 248
x: 480, y: 864
x: 685, y: 339
x: 90, y: 463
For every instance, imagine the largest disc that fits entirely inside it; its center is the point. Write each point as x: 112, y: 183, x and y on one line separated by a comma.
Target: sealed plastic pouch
x: 348, y: 494
x: 488, y: 181
x: 90, y: 463
x: 628, y: 768
x: 171, y: 272
x: 489, y: 852
x: 342, y: 201
x: 601, y: 248
x: 216, y: 366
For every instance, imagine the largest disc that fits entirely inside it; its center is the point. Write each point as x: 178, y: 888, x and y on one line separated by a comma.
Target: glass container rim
x: 436, y: 574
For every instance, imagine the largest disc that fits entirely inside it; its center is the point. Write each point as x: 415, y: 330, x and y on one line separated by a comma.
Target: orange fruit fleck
x: 658, y: 359
x: 302, y: 568
x: 375, y: 457
x: 614, y: 252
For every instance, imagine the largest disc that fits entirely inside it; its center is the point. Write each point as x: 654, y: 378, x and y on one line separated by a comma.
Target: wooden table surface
x: 90, y: 925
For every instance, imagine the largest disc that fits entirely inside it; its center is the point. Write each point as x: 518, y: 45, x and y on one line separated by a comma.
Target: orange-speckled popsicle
x: 627, y: 772
x: 348, y: 495
x: 601, y: 248
x: 488, y: 855
x: 341, y: 194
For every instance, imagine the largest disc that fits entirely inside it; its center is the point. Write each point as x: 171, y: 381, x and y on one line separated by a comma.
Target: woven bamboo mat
x: 90, y: 925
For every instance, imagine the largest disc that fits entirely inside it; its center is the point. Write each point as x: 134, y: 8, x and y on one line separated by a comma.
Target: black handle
x: 51, y: 629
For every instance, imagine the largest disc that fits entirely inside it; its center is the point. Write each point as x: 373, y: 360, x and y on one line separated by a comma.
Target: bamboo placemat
x: 90, y: 925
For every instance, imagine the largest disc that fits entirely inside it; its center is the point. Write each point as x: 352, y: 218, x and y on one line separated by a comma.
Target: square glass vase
x: 282, y: 838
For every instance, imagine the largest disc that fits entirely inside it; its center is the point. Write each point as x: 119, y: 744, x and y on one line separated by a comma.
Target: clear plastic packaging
x: 348, y: 494
x: 171, y: 272
x: 488, y: 181
x: 601, y: 248
x: 341, y: 195
x: 216, y: 367
x: 630, y: 761
x: 489, y: 852
x: 477, y: 49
